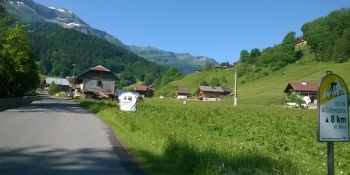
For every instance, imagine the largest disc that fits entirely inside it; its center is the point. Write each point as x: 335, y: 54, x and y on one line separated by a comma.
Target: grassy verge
x: 168, y: 137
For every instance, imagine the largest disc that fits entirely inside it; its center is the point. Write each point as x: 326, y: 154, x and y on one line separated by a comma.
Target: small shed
x: 62, y: 84
x: 182, y: 93
x: 226, y: 90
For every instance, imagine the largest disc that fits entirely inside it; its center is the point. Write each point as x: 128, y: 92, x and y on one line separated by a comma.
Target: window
x: 99, y: 82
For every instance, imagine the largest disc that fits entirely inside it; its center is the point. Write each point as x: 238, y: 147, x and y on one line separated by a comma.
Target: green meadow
x: 259, y: 136
x: 169, y: 137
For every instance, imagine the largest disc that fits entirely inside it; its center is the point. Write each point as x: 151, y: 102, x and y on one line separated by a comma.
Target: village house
x: 97, y: 82
x: 226, y: 91
x: 145, y: 91
x: 197, y: 70
x: 209, y: 93
x: 300, y: 41
x: 62, y: 84
x: 181, y: 93
x: 303, y: 89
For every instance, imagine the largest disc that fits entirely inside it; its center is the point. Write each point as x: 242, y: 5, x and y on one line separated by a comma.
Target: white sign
x: 333, y: 110
x: 128, y: 100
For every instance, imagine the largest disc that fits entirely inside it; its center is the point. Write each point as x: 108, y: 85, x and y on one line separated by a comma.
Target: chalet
x: 145, y: 91
x: 62, y: 84
x: 181, y: 93
x: 226, y: 91
x: 209, y: 93
x: 302, y: 89
x: 97, y: 82
x: 216, y: 67
x: 300, y: 41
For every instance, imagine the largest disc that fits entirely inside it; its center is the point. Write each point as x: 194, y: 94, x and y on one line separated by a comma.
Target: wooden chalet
x: 181, y: 93
x: 145, y: 91
x: 97, y: 82
x: 209, y: 93
x: 300, y: 41
x: 302, y: 89
x: 226, y: 91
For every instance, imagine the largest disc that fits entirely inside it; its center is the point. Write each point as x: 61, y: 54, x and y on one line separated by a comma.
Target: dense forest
x: 58, y: 48
x: 327, y: 37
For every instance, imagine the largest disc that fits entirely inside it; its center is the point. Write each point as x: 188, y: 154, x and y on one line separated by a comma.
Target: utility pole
x: 235, y: 95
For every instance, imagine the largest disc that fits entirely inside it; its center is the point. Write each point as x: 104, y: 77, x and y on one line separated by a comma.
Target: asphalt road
x: 57, y: 136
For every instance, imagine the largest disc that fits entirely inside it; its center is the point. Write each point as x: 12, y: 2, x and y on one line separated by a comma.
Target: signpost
x: 333, y: 114
x: 128, y: 100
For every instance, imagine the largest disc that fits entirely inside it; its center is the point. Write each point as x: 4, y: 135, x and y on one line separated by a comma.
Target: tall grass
x: 206, y: 138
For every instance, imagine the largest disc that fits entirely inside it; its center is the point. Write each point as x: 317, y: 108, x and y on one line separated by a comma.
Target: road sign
x: 333, y: 109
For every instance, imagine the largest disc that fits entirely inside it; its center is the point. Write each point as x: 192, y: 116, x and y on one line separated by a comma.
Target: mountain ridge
x: 28, y: 11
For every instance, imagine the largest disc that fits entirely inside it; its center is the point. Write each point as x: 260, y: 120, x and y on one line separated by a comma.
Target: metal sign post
x: 235, y: 95
x: 333, y: 114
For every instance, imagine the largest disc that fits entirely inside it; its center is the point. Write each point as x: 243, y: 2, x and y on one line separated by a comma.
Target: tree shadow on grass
x: 183, y: 158
x: 47, y: 160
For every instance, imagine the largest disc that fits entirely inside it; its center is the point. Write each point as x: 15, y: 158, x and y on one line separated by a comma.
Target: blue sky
x: 216, y: 29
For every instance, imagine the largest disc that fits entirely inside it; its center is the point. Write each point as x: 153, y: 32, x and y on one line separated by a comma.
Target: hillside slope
x: 265, y: 90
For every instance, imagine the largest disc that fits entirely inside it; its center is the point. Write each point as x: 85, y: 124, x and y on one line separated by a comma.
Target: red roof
x: 302, y: 87
x: 100, y: 68
x: 140, y: 88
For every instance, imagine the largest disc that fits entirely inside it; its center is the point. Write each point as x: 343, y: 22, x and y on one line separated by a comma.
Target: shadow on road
x: 51, y: 104
x: 47, y: 160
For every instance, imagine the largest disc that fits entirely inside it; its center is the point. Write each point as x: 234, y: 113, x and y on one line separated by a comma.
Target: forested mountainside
x: 328, y: 39
x: 28, y: 11
x: 58, y: 48
x: 185, y: 62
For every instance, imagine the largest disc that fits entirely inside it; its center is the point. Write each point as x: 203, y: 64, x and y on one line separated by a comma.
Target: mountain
x: 28, y: 11
x: 185, y: 62
x: 57, y: 49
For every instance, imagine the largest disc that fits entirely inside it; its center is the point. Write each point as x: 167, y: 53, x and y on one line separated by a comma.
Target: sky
x: 215, y: 29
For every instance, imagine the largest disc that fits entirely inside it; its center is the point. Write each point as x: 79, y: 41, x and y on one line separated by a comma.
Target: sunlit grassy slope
x: 266, y: 90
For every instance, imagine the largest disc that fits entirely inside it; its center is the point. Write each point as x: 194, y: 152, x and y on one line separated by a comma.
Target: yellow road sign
x: 333, y: 110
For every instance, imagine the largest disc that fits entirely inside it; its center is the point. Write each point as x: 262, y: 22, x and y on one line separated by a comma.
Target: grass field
x: 168, y: 137
x: 257, y: 89
x: 259, y: 136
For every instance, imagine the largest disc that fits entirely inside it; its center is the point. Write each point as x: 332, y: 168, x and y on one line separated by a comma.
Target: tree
x: 52, y: 88
x: 203, y: 83
x: 244, y: 55
x: 19, y: 72
x: 288, y: 46
x: 215, y: 82
x: 223, y: 79
x: 254, y: 53
x: 208, y: 66
x: 341, y: 52
x: 170, y: 75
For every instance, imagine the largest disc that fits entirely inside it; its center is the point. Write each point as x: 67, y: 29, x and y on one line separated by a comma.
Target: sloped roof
x: 140, y: 88
x: 57, y: 81
x: 100, y: 68
x: 211, y: 88
x: 226, y: 89
x: 182, y: 91
x: 299, y: 86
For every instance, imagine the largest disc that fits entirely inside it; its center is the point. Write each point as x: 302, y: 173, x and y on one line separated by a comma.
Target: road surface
x: 57, y: 136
